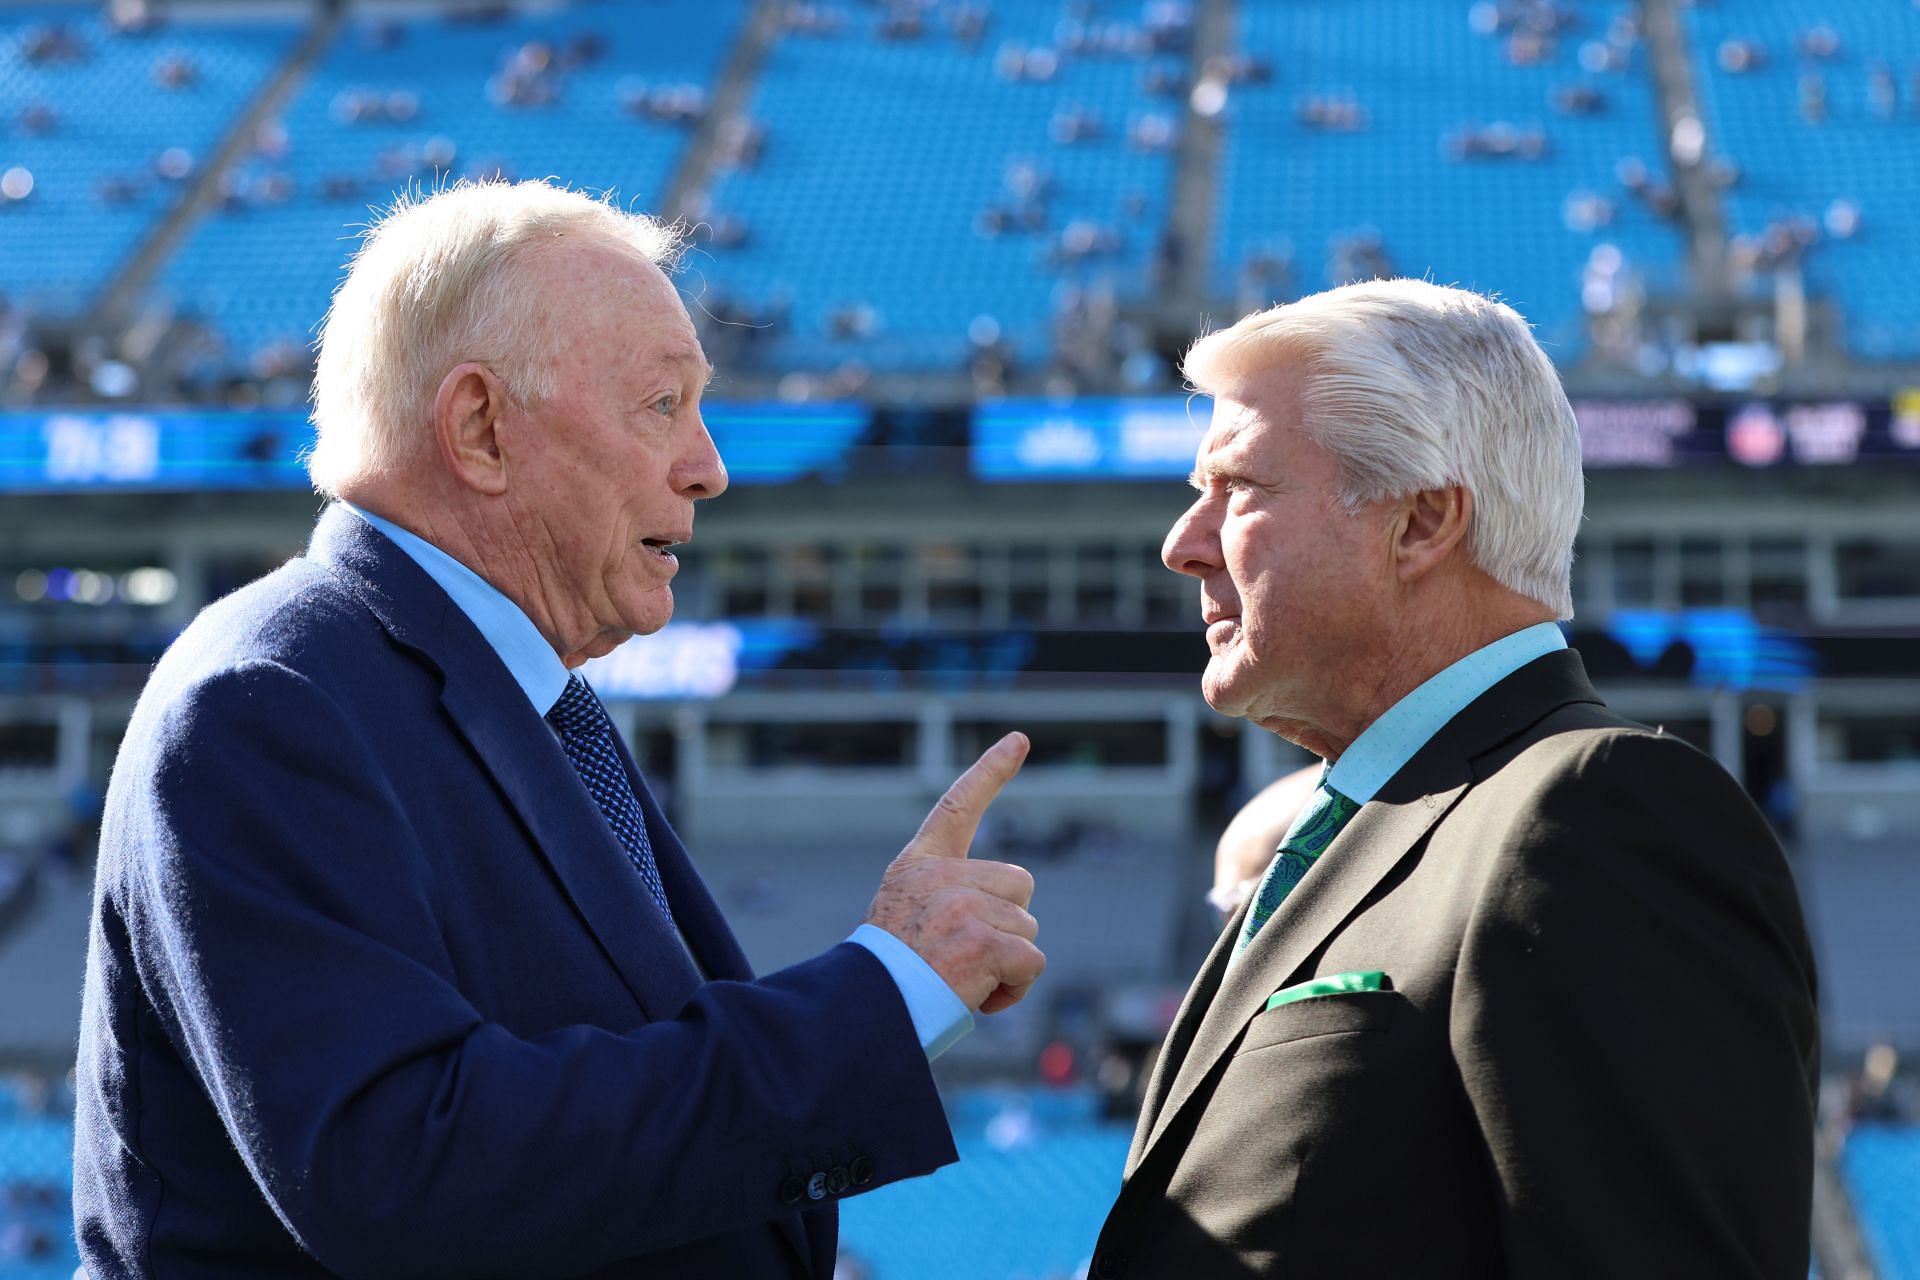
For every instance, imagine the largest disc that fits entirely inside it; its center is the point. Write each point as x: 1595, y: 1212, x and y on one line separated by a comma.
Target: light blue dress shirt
x: 1386, y: 745
x: 939, y: 1017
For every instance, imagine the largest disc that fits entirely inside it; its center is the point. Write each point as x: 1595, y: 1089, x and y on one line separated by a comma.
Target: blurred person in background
x: 1247, y: 847
x: 1526, y: 991
x: 395, y: 966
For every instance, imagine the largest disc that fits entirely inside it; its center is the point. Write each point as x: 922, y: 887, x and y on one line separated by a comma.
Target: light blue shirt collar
x: 1386, y: 745
x: 535, y: 667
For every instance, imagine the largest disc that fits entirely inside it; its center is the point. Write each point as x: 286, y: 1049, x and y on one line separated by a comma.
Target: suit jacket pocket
x: 1320, y: 1016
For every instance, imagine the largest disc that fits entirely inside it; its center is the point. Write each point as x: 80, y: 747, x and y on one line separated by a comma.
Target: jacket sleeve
x: 284, y: 924
x: 1634, y: 1023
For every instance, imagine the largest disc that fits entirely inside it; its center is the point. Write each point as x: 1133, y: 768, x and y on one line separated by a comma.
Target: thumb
x: 949, y: 828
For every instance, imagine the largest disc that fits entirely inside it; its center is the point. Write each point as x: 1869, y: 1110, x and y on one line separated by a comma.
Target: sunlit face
x: 1293, y: 587
x: 612, y: 465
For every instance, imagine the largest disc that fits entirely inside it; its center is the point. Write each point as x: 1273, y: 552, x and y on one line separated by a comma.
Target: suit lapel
x: 1180, y: 1036
x: 694, y: 909
x: 524, y: 758
x: 1360, y: 857
x: 1221, y: 1002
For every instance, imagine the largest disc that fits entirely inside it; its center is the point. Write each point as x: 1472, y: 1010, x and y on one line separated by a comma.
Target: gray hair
x: 1414, y: 386
x: 441, y: 278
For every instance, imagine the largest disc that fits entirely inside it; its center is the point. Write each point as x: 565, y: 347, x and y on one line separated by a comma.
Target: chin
x: 648, y: 614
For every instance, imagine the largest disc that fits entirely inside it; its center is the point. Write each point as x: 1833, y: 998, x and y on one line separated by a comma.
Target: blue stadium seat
x: 881, y: 157
x: 1881, y: 1165
x: 1420, y: 74
x: 1035, y: 1166
x: 1862, y: 151
x: 262, y: 270
x: 110, y: 121
x: 36, y: 1188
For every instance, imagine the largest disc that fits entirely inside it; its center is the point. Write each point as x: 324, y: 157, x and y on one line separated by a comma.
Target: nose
x: 1193, y: 544
x: 701, y: 474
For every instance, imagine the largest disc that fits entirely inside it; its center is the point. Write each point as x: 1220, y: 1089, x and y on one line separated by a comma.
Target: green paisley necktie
x: 1323, y: 818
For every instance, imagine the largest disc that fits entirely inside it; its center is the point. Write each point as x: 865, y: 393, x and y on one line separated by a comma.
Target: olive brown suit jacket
x: 1594, y: 1053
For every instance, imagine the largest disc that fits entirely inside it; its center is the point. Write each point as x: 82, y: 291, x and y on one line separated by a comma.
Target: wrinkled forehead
x: 1249, y: 412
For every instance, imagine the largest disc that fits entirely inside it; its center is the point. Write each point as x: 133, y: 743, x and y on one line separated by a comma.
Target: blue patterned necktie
x: 1326, y: 814
x: 586, y: 734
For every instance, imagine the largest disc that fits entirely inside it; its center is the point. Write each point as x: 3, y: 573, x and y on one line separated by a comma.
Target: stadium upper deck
x: 915, y: 188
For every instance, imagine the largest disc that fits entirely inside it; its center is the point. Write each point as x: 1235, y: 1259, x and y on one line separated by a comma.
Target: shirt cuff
x: 939, y: 1017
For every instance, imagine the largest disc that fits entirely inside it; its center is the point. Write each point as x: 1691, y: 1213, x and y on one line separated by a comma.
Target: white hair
x: 442, y: 278
x: 1414, y: 386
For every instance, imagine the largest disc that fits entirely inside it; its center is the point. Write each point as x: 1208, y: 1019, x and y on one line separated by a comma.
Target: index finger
x: 950, y: 827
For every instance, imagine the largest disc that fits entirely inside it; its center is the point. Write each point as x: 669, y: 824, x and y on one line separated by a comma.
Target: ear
x: 1432, y: 523
x: 467, y: 411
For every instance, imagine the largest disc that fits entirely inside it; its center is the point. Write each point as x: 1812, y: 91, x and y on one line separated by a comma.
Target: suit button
x: 791, y: 1190
x: 837, y: 1180
x: 817, y: 1187
x: 861, y: 1171
x: 1107, y: 1267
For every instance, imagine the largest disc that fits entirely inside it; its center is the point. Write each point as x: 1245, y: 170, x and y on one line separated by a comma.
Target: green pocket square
x: 1331, y: 985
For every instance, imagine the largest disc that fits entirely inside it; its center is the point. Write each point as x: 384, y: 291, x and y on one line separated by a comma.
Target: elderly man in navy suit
x: 395, y: 967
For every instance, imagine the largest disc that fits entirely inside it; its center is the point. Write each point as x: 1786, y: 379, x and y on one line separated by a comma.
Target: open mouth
x: 663, y: 547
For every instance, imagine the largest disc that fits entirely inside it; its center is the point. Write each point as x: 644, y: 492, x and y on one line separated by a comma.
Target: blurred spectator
x: 901, y: 21
x: 1579, y: 100
x: 1152, y: 132
x: 272, y: 140
x: 1530, y: 49
x: 1168, y: 26
x: 1082, y: 239
x: 1360, y: 256
x: 1497, y: 141
x: 382, y: 33
x: 813, y: 19
x: 175, y: 71
x: 1164, y: 80
x: 38, y: 119
x: 1883, y: 90
x: 130, y: 17
x: 1842, y: 219
x: 989, y: 358
x: 1819, y: 43
x: 968, y: 22
x: 116, y: 191
x: 679, y: 104
x: 47, y: 43
x: 1586, y: 211
x: 1251, y: 839
x: 584, y: 49
x: 1870, y: 1095
x: 1813, y: 97
x: 1265, y: 277
x: 1331, y: 114
x: 1073, y: 124
x: 852, y: 322
x: 1019, y: 64
x: 1737, y: 57
x: 16, y: 184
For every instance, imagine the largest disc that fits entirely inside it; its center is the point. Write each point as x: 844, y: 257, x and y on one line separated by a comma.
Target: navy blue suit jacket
x: 373, y: 990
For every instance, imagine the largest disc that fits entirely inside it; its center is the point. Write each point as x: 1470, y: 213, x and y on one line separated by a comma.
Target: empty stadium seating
x: 1820, y: 108
x: 36, y: 1183
x: 1414, y: 74
x: 882, y: 156
x: 1036, y: 1176
x: 1882, y: 1169
x: 398, y: 102
x: 84, y: 112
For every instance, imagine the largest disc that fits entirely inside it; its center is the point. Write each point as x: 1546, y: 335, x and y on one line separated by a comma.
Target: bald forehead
x: 605, y: 286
